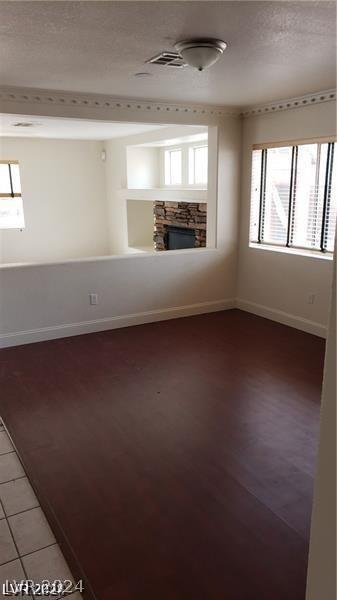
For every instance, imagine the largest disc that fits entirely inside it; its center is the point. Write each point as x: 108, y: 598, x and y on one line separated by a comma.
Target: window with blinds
x: 294, y: 196
x: 11, y: 207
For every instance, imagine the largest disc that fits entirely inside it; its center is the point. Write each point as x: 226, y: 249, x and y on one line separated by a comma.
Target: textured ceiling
x: 276, y: 49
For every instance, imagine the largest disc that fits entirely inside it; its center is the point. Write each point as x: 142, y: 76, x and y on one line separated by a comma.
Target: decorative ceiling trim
x: 298, y: 102
x: 31, y: 96
x: 43, y: 97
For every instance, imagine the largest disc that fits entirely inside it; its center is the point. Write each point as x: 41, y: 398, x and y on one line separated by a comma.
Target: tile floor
x: 28, y: 549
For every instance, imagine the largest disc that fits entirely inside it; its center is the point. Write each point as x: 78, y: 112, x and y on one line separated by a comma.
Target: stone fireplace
x: 179, y: 225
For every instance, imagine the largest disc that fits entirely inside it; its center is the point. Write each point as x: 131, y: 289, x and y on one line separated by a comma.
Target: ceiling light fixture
x: 200, y: 53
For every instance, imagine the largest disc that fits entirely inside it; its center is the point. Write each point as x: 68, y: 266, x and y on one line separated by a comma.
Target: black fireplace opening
x: 177, y: 238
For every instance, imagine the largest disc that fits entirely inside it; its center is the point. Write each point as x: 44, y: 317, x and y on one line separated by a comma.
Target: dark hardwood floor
x: 175, y: 460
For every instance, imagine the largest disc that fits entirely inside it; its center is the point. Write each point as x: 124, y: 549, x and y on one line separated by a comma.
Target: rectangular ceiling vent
x: 168, y: 59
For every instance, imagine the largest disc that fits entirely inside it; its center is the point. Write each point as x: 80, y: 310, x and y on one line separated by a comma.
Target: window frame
x: 185, y: 149
x: 289, y: 247
x: 191, y: 149
x: 11, y: 193
x: 168, y: 150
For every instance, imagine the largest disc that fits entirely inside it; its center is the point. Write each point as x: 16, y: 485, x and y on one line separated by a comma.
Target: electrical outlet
x: 93, y: 299
x: 311, y: 298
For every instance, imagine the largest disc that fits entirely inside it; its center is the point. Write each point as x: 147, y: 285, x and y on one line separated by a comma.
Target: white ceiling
x: 275, y: 49
x: 74, y: 129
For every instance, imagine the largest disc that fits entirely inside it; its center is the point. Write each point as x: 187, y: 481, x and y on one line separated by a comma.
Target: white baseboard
x: 282, y: 317
x: 59, y: 331
x: 18, y: 338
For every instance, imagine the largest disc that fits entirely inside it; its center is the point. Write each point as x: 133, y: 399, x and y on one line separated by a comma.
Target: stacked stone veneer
x: 192, y: 215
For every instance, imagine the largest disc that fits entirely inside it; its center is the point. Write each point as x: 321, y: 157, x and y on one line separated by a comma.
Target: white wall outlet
x: 311, y: 298
x: 93, y: 299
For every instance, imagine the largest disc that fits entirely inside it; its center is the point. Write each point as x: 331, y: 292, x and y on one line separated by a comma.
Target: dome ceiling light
x: 200, y: 53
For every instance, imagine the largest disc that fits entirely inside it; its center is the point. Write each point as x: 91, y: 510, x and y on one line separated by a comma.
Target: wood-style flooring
x: 175, y: 460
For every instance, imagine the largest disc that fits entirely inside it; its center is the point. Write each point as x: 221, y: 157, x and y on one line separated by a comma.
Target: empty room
x: 168, y: 205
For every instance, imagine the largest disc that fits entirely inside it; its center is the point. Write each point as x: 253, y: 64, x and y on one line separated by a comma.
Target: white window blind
x: 331, y: 206
x: 255, y: 194
x: 11, y: 207
x: 293, y: 196
x: 276, y: 198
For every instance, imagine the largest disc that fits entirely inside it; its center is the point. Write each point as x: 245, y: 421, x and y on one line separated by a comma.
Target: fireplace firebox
x: 177, y: 238
x: 179, y: 225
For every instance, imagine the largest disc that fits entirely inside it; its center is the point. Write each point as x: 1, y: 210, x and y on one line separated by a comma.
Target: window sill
x: 166, y: 194
x: 196, y: 188
x: 297, y: 251
x: 172, y: 188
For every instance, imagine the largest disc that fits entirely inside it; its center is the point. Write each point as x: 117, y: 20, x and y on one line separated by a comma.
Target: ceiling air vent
x: 168, y: 59
x: 23, y: 124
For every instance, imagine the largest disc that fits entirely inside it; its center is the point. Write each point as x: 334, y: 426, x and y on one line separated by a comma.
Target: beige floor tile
x: 7, y: 548
x: 11, y: 572
x: 10, y: 467
x: 17, y: 496
x: 2, y: 514
x: 47, y: 564
x: 5, y: 443
x: 31, y: 531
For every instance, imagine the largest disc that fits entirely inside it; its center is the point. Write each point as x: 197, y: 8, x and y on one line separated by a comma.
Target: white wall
x: 116, y: 182
x: 272, y: 283
x: 143, y: 167
x: 43, y: 300
x: 140, y: 223
x: 64, y: 197
x: 322, y: 552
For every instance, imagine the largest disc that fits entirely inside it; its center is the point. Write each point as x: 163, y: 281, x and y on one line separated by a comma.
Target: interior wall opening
x: 94, y: 189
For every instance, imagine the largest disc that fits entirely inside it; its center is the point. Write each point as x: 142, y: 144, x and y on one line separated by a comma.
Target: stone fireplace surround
x: 190, y: 215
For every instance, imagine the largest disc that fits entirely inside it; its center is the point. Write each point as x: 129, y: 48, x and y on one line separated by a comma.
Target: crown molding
x: 111, y: 104
x: 287, y: 104
x: 99, y: 101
